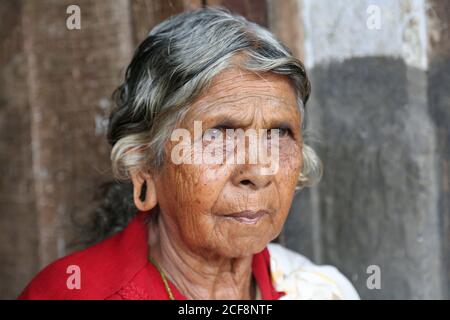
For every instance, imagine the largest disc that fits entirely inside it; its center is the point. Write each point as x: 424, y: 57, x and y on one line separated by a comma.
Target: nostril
x: 246, y: 182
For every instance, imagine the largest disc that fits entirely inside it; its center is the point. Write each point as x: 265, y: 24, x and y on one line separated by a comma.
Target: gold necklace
x: 163, y: 277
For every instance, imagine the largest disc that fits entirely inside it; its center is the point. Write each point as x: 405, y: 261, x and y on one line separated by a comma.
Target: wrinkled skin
x: 206, y: 255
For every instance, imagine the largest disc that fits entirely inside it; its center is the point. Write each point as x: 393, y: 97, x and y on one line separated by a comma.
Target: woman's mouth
x: 247, y: 216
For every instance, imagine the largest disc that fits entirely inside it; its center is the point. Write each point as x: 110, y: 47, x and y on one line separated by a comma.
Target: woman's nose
x: 250, y: 176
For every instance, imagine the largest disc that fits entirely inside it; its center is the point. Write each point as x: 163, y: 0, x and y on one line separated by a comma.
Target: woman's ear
x: 144, y: 190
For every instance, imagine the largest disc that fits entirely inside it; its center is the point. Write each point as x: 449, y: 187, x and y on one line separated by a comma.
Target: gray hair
x: 174, y: 64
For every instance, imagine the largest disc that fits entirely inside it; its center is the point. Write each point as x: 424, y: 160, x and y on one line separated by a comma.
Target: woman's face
x: 233, y: 209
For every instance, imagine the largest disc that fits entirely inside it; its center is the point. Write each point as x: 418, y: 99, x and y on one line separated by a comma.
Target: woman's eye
x: 212, y: 133
x: 215, y: 132
x: 282, y: 132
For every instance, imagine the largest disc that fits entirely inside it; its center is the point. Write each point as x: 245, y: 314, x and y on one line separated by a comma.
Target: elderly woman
x: 206, y: 210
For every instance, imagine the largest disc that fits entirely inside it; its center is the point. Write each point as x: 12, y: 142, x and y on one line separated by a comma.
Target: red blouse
x: 118, y: 268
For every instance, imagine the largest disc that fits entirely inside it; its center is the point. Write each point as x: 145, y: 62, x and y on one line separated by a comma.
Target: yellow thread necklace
x: 163, y: 277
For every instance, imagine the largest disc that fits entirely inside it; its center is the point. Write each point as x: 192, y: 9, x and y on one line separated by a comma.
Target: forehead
x: 243, y: 91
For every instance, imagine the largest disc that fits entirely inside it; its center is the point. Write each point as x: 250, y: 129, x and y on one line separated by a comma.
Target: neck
x: 198, y: 276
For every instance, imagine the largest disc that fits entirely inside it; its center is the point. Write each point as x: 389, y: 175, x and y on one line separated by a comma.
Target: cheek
x: 290, y: 165
x: 291, y: 160
x: 190, y: 192
x: 198, y: 185
x: 205, y: 184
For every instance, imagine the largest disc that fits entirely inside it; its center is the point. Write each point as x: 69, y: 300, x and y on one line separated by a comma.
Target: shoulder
x: 93, y: 273
x: 61, y: 279
x: 301, y: 279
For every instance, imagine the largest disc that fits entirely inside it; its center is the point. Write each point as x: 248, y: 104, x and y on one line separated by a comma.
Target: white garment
x: 301, y: 279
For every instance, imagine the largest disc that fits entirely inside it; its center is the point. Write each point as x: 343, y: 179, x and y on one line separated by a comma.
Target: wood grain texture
x: 146, y: 14
x: 253, y: 10
x: 439, y: 106
x: 285, y: 21
x: 18, y: 229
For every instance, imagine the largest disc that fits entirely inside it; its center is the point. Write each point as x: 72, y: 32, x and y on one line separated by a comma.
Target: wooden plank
x: 71, y: 75
x: 439, y: 102
x: 254, y: 10
x: 146, y: 14
x: 18, y: 232
x: 285, y: 21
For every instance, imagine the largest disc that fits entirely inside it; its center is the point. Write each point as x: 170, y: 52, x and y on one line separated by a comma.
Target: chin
x: 240, y: 250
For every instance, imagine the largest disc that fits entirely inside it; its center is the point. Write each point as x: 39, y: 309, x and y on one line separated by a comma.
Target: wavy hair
x: 169, y: 69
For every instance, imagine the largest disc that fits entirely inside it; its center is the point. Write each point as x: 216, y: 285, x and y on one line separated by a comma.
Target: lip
x: 247, y: 216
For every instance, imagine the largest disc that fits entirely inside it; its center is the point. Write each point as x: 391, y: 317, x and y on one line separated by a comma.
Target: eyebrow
x: 227, y: 122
